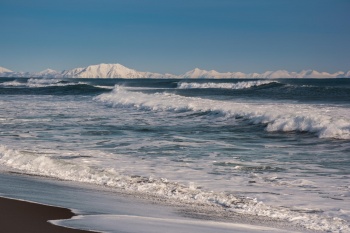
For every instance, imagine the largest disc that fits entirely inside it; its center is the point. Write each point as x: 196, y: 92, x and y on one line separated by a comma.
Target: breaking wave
x: 40, y: 86
x: 235, y: 86
x: 44, y: 165
x: 51, y: 83
x: 325, y: 122
x: 14, y: 83
x: 32, y: 83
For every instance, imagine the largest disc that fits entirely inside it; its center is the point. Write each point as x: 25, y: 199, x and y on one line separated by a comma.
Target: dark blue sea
x: 273, y: 148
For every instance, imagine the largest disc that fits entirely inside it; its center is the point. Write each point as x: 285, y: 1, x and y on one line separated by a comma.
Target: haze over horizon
x: 176, y: 36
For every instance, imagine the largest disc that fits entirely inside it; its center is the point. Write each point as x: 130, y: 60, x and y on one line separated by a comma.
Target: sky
x: 175, y: 36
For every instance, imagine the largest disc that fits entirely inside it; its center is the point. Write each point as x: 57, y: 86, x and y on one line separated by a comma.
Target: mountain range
x: 120, y: 71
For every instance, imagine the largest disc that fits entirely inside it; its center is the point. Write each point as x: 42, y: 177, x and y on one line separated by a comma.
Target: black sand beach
x: 20, y: 216
x: 104, y: 211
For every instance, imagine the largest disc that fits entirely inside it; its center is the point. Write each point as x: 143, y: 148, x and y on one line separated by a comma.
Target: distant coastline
x: 120, y: 71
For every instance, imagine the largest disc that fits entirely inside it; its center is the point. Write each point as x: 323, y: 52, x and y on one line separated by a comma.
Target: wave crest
x: 50, y: 83
x: 14, y: 83
x: 38, y: 82
x: 326, y: 122
x: 235, y: 86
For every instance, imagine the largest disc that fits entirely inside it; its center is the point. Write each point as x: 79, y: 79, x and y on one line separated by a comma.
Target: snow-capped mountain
x: 103, y: 71
x: 120, y: 71
x: 198, y: 73
x: 111, y: 71
x: 4, y: 70
x: 48, y: 73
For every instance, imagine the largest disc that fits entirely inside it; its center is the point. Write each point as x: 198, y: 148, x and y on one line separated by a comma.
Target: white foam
x: 324, y: 121
x: 46, y: 82
x: 105, y: 87
x: 49, y: 82
x: 238, y: 85
x: 136, y: 224
x: 14, y: 83
x: 41, y: 164
x: 39, y: 82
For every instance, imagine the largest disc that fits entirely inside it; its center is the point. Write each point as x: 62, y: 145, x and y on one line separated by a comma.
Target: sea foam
x: 236, y: 86
x: 50, y: 83
x: 39, y: 82
x: 325, y: 122
x: 44, y: 165
x: 14, y: 83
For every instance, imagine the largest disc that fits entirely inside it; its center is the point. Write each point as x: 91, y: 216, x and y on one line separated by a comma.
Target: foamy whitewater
x: 238, y: 85
x: 272, y: 148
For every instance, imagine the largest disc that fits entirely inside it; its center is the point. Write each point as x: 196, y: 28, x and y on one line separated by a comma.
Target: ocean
x: 277, y: 148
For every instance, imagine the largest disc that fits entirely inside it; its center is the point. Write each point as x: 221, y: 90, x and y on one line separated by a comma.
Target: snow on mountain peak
x: 119, y: 71
x: 4, y: 70
x: 103, y: 71
x: 49, y: 71
x: 195, y: 73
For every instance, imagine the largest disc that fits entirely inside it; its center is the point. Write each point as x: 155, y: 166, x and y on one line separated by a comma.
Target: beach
x: 102, y: 210
x: 175, y: 116
x: 20, y: 216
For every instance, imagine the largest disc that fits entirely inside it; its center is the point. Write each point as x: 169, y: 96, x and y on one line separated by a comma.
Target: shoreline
x: 100, y: 209
x: 22, y: 216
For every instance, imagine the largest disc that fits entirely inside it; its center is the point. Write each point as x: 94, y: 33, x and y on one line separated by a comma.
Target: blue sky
x: 175, y: 36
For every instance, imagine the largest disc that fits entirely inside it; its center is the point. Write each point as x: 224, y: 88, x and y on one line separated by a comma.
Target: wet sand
x: 107, y: 211
x: 20, y: 216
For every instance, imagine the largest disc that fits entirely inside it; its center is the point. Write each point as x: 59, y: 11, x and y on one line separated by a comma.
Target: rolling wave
x: 50, y: 83
x: 32, y: 83
x: 325, y: 122
x: 13, y: 83
x: 50, y: 86
x: 235, y: 86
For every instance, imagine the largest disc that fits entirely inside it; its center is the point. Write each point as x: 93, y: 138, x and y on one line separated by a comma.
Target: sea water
x: 273, y: 148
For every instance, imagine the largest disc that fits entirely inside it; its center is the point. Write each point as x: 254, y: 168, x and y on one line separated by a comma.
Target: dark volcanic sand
x: 20, y: 216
